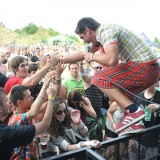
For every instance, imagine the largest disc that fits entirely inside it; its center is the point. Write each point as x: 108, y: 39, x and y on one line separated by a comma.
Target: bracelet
x: 51, y: 97
x: 91, y: 57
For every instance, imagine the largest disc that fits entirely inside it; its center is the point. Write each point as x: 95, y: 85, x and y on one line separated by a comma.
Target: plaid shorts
x: 130, y: 77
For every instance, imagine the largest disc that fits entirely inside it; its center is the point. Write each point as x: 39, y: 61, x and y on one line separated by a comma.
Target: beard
x: 4, y: 111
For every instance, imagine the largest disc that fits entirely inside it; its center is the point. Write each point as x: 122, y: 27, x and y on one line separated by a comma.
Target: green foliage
x: 156, y: 40
x: 73, y: 37
x: 52, y: 33
x: 25, y: 36
x: 31, y: 28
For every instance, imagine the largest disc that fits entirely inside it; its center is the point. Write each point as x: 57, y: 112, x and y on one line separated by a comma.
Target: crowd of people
x: 80, y: 98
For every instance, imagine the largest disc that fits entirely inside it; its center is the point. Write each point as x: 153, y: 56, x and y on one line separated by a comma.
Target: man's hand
x: 87, y: 57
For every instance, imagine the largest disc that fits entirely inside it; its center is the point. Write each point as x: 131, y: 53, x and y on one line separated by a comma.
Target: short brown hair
x: 16, y: 61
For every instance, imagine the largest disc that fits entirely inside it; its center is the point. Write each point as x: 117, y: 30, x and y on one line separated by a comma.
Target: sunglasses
x: 98, y: 67
x: 60, y: 112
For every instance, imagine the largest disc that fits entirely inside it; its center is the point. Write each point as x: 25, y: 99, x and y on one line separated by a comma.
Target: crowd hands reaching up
x: 36, y: 103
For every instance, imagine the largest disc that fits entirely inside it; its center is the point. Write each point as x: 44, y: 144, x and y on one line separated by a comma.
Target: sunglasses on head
x: 60, y: 112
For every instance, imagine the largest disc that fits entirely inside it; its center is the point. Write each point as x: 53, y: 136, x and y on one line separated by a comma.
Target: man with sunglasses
x: 129, y: 65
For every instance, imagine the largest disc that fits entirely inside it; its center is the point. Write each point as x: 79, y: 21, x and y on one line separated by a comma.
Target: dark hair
x: 86, y: 22
x: 75, y: 95
x: 17, y: 93
x: 32, y: 67
x: 57, y: 128
x: 2, y: 92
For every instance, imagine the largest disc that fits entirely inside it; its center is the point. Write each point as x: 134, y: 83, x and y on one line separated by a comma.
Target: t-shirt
x: 11, y: 137
x: 72, y: 84
x: 130, y: 46
x: 95, y: 95
x: 3, y: 80
x: 150, y: 139
x: 12, y: 81
x: 25, y: 151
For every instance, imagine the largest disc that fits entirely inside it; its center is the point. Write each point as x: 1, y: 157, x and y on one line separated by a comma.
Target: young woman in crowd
x: 77, y: 101
x: 67, y: 131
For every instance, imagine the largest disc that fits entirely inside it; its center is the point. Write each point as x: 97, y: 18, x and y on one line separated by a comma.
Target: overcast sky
x: 63, y: 15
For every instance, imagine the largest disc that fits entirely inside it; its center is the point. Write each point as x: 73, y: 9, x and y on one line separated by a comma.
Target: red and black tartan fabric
x: 133, y: 77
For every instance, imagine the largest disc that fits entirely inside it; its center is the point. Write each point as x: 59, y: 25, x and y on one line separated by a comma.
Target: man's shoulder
x: 17, y: 119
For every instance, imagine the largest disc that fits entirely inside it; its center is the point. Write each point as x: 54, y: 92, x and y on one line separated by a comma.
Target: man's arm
x: 38, y: 101
x: 35, y: 78
x: 46, y: 121
x: 15, y: 136
x: 74, y: 57
x: 110, y: 58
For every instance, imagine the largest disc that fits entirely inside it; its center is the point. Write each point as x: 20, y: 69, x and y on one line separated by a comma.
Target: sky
x: 63, y: 15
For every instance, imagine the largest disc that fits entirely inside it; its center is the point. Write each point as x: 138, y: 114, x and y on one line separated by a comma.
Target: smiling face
x: 61, y: 112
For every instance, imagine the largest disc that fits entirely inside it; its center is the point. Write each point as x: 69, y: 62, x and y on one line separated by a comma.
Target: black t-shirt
x: 150, y: 139
x: 3, y: 80
x: 12, y: 136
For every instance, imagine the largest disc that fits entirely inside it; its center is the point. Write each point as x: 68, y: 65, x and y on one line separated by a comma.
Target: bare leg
x: 118, y: 97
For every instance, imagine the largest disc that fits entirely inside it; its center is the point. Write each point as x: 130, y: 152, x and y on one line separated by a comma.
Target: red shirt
x: 12, y: 81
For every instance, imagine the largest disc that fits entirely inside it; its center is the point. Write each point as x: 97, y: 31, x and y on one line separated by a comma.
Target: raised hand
x: 49, y: 77
x: 75, y: 116
x: 82, y: 104
x: 42, y: 62
x: 53, y: 60
x: 51, y: 90
x: 60, y: 68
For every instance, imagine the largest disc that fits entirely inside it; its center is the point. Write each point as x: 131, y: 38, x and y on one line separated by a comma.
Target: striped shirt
x: 131, y: 47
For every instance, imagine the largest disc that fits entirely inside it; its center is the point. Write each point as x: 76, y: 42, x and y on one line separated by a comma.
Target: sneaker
x: 134, y: 128
x: 129, y: 119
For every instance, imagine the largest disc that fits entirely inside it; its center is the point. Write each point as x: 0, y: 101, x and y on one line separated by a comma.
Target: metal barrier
x: 116, y: 149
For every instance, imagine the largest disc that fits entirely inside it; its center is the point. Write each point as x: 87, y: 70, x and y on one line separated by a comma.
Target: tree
x: 156, y: 40
x: 31, y: 28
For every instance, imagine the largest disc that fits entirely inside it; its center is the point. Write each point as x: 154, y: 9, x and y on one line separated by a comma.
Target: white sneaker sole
x: 132, y: 132
x: 130, y: 123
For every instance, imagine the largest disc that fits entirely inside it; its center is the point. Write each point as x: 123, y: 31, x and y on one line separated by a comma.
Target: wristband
x: 91, y: 57
x: 79, y: 145
x: 58, y: 81
x: 51, y: 97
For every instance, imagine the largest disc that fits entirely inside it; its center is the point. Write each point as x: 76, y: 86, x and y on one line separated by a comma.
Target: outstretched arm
x: 46, y: 121
x: 72, y: 58
x: 38, y: 101
x: 35, y: 78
